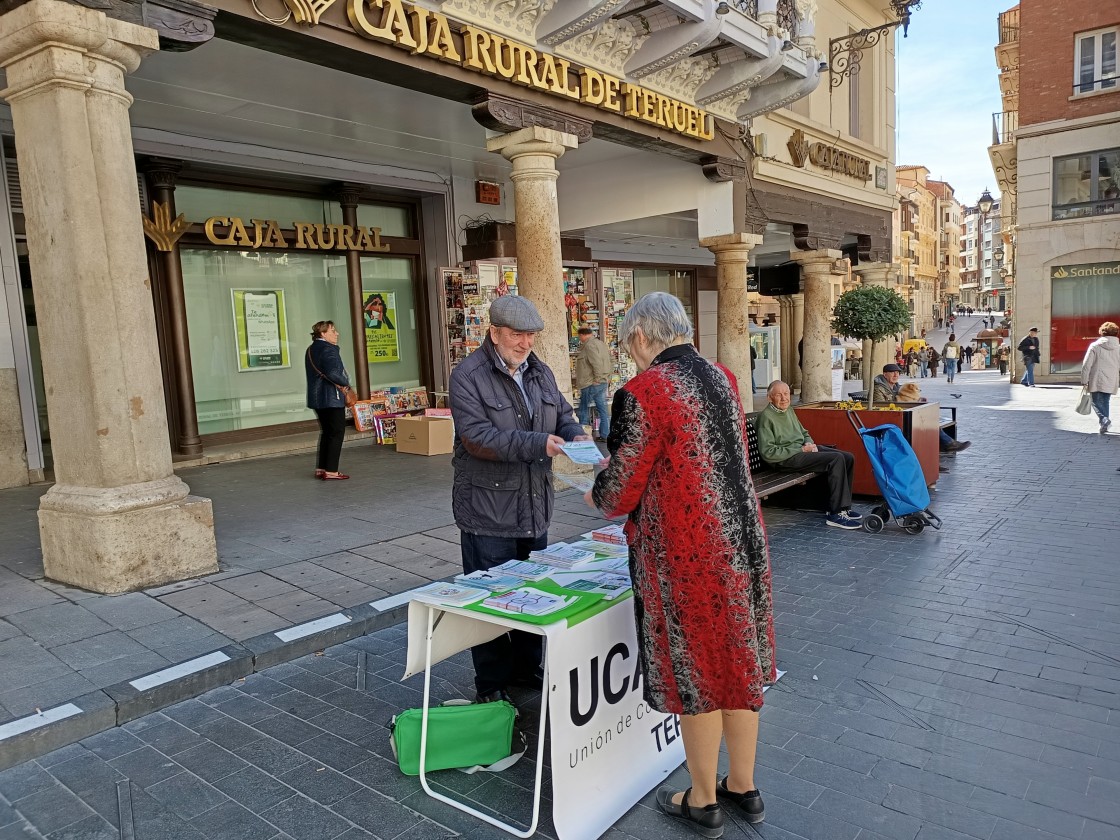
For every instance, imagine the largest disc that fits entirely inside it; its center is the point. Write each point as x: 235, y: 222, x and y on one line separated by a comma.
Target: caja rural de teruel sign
x: 425, y: 32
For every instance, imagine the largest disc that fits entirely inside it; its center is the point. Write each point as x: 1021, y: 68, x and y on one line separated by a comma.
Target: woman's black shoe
x: 706, y: 821
x: 749, y: 803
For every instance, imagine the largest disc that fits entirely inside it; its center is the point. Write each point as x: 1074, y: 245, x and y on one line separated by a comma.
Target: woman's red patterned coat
x: 698, y: 554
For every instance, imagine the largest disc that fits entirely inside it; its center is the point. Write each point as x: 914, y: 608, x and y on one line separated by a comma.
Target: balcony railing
x: 1004, y: 126
x: 1009, y: 26
x: 747, y: 7
x: 787, y: 17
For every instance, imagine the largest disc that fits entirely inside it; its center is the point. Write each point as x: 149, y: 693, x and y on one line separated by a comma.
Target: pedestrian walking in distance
x: 951, y: 353
x: 1100, y: 370
x: 1032, y: 355
x: 593, y: 372
x: 698, y: 555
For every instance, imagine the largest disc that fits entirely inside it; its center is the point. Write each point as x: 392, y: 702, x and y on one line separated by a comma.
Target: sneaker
x: 1105, y: 423
x: 839, y: 520
x: 749, y: 803
x: 851, y: 514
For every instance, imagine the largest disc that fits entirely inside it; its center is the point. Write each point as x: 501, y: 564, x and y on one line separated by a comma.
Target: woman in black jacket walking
x: 327, y: 386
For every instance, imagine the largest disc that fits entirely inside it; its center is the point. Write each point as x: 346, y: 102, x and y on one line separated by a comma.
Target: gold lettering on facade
x: 266, y: 233
x: 832, y: 159
x: 425, y: 31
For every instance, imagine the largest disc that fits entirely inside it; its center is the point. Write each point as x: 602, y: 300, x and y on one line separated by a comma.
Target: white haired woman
x: 1100, y: 370
x: 698, y: 555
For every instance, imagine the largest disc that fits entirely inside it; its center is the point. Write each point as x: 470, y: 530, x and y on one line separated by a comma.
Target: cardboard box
x: 425, y: 435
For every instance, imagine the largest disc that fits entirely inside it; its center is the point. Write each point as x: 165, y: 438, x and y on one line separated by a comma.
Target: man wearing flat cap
x: 1032, y: 355
x: 886, y: 391
x: 510, y: 422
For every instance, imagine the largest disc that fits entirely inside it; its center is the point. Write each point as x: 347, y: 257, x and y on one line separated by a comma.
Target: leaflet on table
x: 449, y: 594
x: 529, y: 602
x: 582, y: 452
x: 524, y: 569
x: 609, y: 534
x: 609, y: 585
x: 614, y: 565
x: 570, y: 604
x: 582, y: 483
x: 490, y: 579
x: 602, y: 549
x: 562, y: 555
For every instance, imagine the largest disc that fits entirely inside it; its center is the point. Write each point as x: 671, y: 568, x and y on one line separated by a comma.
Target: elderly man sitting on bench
x: 784, y: 444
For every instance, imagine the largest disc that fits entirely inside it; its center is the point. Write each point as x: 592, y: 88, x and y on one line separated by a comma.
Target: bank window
x: 1095, y: 61
x: 201, y: 203
x: 1087, y: 185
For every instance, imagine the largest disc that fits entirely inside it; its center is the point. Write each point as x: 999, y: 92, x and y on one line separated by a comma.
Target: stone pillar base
x: 126, y: 538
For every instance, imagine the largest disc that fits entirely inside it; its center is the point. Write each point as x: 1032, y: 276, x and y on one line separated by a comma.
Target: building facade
x: 980, y: 259
x: 1059, y: 155
x: 247, y: 169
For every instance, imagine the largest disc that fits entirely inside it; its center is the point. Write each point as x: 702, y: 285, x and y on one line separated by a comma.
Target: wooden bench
x: 949, y: 424
x: 768, y: 480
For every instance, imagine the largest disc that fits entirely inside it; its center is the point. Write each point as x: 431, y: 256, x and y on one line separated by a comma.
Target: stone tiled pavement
x: 957, y: 684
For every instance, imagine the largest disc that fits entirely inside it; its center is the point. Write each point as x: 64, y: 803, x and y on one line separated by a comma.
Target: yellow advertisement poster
x: 379, y: 309
x: 261, y: 328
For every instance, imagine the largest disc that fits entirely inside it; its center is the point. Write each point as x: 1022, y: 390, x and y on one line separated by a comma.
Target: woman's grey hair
x: 661, y: 318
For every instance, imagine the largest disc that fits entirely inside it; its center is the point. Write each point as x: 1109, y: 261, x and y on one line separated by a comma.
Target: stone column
x: 797, y: 332
x: 879, y: 353
x: 117, y: 518
x: 787, y: 351
x: 540, y: 272
x: 816, y: 280
x: 733, y: 339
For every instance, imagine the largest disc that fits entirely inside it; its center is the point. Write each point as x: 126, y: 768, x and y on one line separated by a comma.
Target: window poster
x: 380, y: 313
x: 261, y: 328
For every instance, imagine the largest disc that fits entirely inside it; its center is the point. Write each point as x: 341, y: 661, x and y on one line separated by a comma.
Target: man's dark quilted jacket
x: 503, y: 482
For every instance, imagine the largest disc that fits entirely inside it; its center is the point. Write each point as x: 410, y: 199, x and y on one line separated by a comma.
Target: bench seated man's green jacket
x: 780, y: 435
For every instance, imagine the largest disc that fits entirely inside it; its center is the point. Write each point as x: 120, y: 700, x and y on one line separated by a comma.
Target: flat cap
x: 1034, y: 329
x: 892, y: 368
x: 517, y: 313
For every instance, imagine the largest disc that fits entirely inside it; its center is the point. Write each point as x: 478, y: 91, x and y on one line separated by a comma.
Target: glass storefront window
x: 392, y: 220
x: 1084, y: 297
x: 677, y: 283
x: 392, y: 338
x: 200, y: 203
x: 249, y: 315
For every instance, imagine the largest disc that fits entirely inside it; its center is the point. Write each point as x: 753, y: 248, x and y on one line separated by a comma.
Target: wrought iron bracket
x: 844, y: 54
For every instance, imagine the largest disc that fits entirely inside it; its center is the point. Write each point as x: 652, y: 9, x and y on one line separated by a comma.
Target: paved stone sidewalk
x: 956, y: 684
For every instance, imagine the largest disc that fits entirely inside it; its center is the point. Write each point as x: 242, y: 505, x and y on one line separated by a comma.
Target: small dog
x: 909, y: 393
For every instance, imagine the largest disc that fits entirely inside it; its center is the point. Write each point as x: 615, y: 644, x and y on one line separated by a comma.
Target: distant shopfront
x: 257, y: 267
x: 1083, y: 297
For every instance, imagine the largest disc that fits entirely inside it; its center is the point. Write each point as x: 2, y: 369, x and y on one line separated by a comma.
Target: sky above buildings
x: 948, y: 90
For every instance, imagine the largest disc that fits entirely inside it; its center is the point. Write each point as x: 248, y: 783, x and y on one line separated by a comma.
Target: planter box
x: 920, y: 424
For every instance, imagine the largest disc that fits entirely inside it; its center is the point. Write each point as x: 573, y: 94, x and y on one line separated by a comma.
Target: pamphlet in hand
x: 582, y: 483
x: 490, y: 579
x: 583, y: 452
x: 449, y: 594
x: 528, y: 602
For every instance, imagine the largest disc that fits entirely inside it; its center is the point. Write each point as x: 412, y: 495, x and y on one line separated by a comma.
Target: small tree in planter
x: 870, y: 313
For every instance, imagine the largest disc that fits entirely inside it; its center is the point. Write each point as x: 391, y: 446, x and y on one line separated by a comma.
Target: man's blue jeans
x: 924, y: 368
x: 594, y: 394
x: 517, y: 654
x: 1028, y: 377
x: 950, y: 369
x: 1100, y: 404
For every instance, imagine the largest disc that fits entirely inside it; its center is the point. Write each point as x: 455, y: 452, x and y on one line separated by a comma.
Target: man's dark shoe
x: 958, y: 446
x: 493, y: 696
x: 530, y: 680
x: 749, y: 803
x: 706, y: 821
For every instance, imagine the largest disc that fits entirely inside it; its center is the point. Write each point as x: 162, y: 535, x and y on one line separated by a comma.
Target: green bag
x: 462, y: 735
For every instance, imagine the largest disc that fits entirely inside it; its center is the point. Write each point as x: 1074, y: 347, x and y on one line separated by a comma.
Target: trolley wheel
x: 872, y: 523
x: 913, y: 524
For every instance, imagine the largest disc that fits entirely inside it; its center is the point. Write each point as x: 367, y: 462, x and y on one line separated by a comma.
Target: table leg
x: 424, y: 744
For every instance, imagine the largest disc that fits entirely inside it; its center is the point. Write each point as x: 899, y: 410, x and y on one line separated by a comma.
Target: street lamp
x: 985, y: 203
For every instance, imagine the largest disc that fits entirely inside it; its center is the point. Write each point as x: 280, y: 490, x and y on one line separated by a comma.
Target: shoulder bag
x: 461, y: 735
x: 348, y: 393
